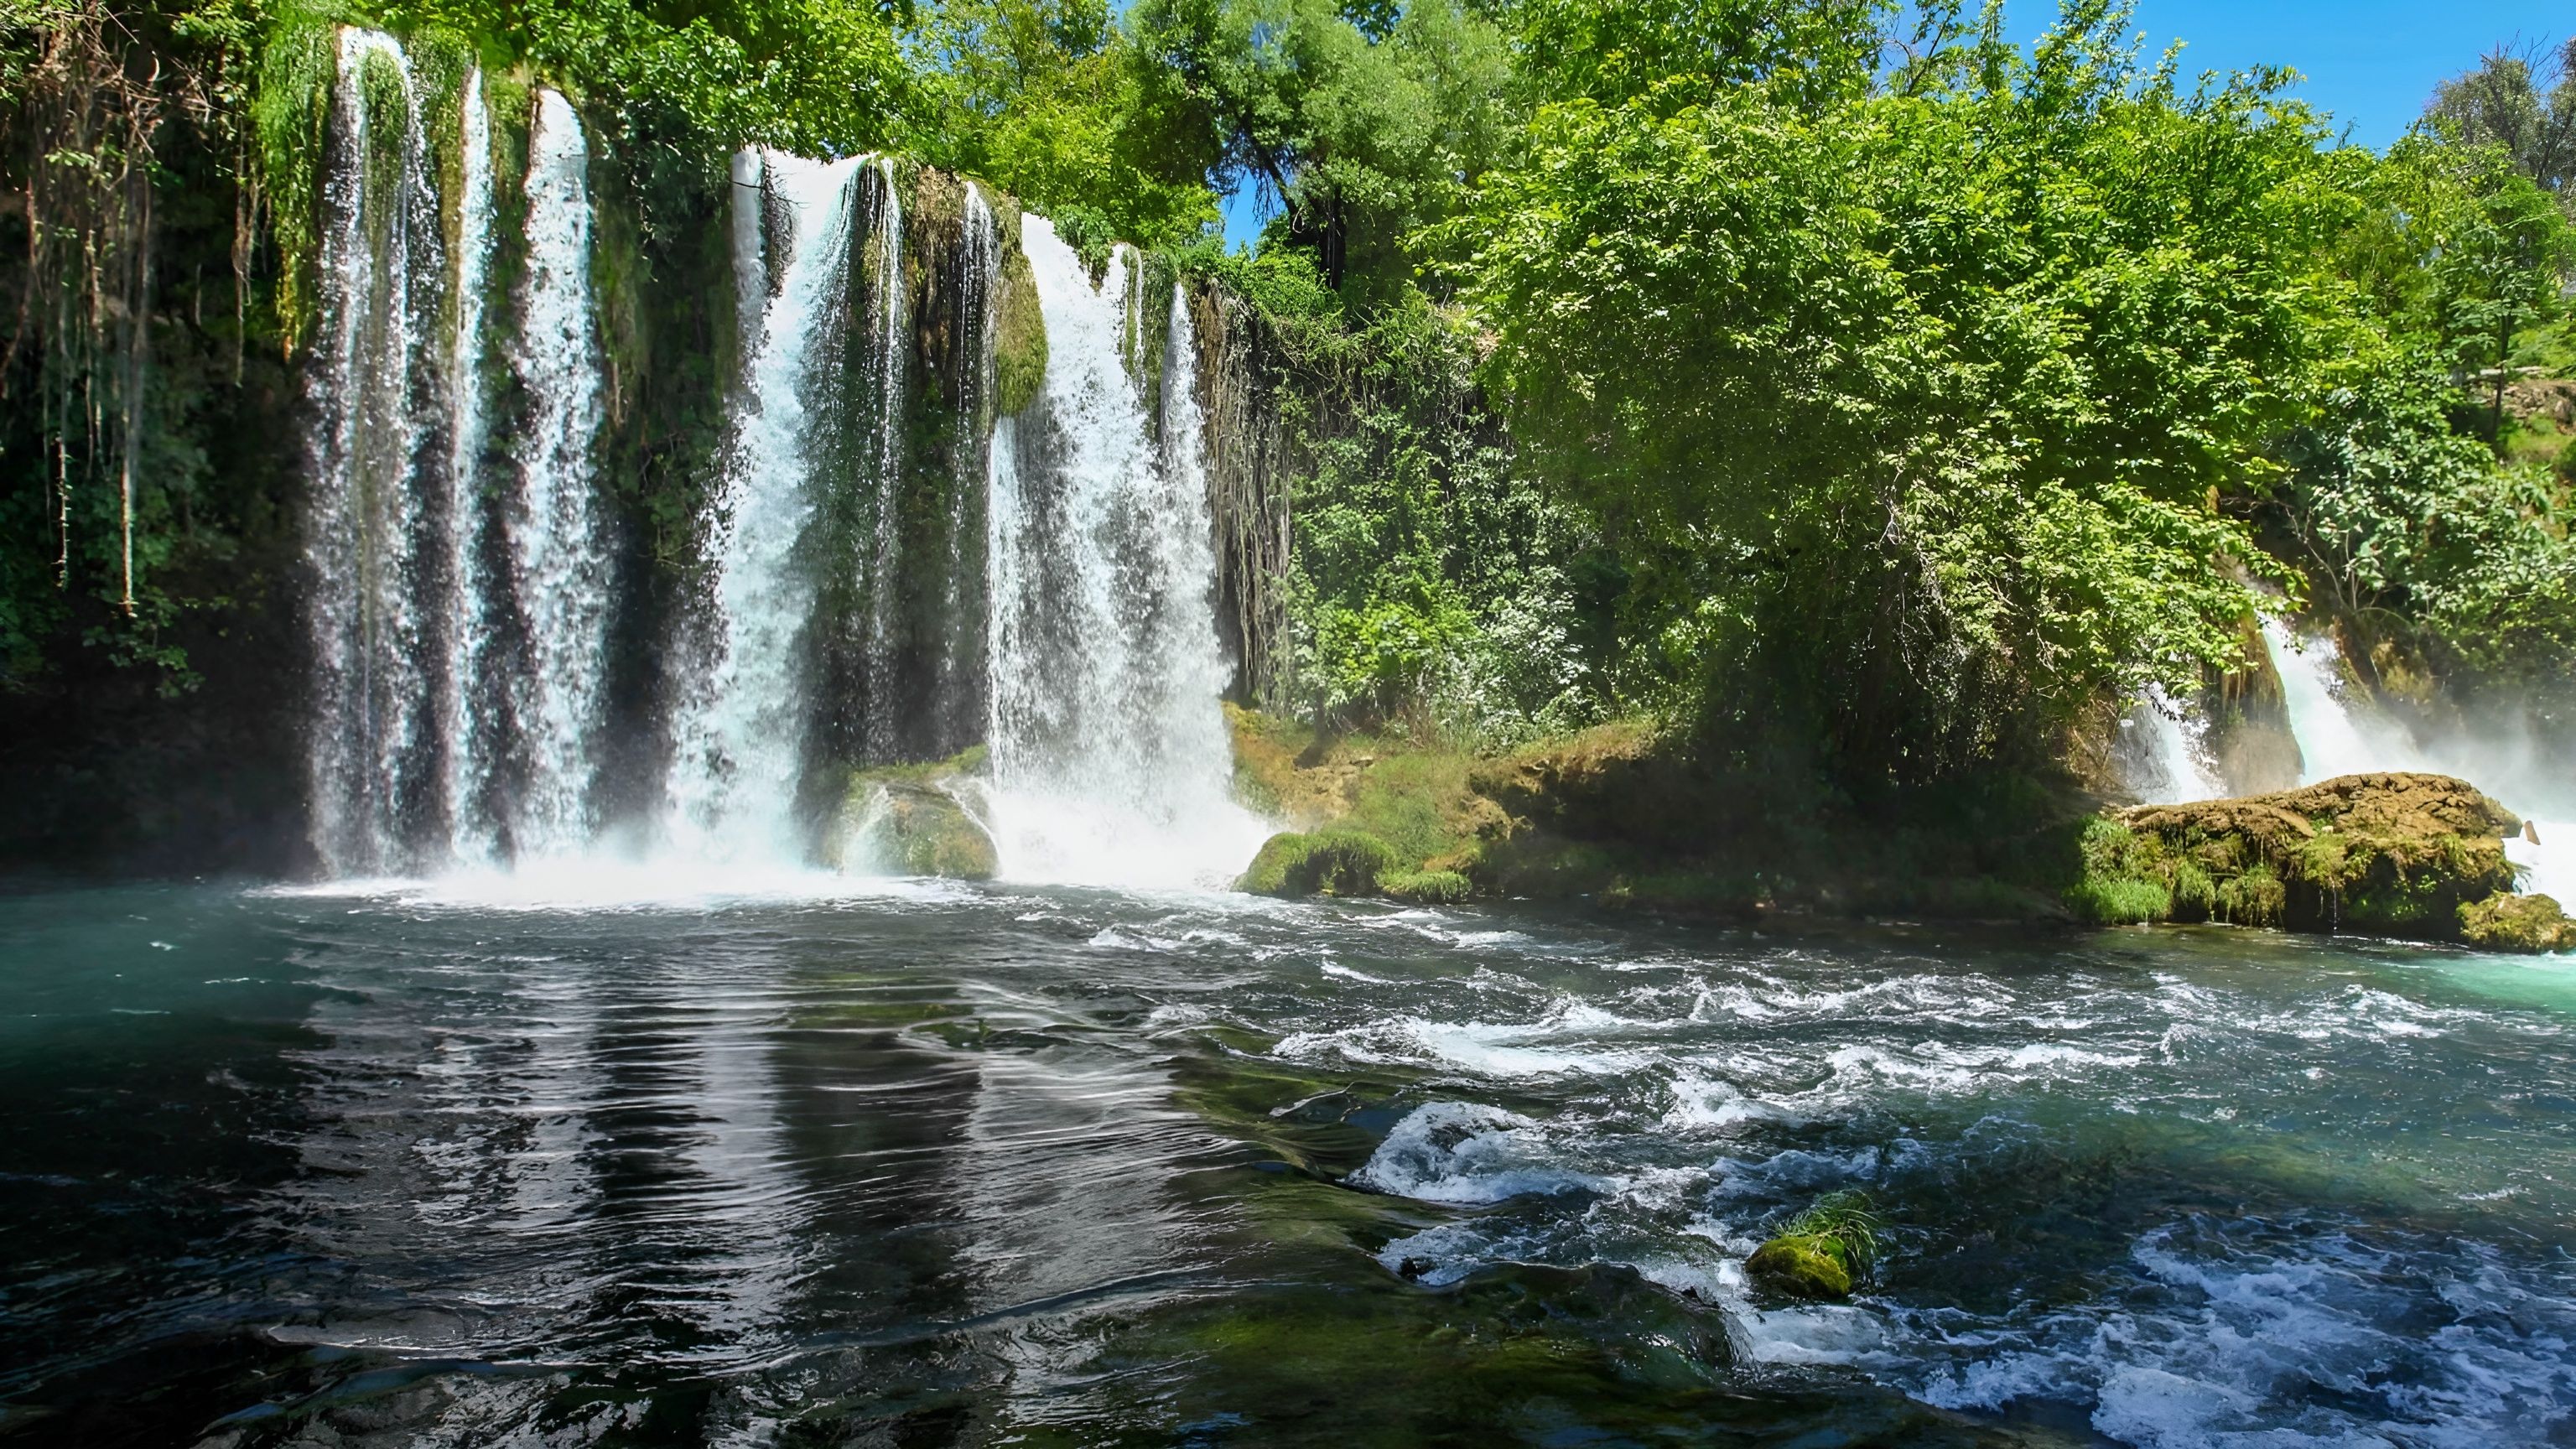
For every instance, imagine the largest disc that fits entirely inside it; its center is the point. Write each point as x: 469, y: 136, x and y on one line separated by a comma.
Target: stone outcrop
x: 2399, y: 854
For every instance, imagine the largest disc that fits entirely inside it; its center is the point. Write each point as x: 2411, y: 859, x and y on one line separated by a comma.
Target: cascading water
x: 470, y: 835
x: 886, y: 354
x: 2332, y: 740
x: 376, y: 548
x: 739, y: 733
x: 557, y: 561
x: 2159, y: 754
x: 1110, y: 760
x: 1044, y: 581
x: 458, y: 625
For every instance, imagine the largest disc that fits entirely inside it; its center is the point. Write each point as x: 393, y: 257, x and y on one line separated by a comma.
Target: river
x: 824, y: 1162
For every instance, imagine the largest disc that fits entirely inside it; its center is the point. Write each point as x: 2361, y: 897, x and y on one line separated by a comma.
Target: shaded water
x: 937, y: 1165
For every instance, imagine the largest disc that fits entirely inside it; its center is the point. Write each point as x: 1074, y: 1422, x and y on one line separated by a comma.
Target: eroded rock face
x: 2402, y: 854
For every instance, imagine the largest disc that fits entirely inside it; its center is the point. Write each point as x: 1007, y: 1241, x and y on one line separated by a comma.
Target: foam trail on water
x: 1111, y: 763
x: 739, y: 732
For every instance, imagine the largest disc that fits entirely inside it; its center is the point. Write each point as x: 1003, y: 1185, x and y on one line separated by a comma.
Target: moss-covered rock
x: 1336, y: 862
x: 2517, y: 923
x: 909, y: 820
x: 1019, y: 335
x: 2401, y: 854
x: 1821, y: 1252
x: 1803, y: 1265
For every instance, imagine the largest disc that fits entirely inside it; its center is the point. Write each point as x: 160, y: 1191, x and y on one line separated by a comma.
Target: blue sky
x: 2371, y: 63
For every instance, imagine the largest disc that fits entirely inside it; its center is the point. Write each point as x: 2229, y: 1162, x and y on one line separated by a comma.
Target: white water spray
x: 1111, y: 763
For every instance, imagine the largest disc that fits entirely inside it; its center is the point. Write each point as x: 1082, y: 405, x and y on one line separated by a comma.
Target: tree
x: 1926, y: 402
x: 2521, y: 98
x: 1364, y: 132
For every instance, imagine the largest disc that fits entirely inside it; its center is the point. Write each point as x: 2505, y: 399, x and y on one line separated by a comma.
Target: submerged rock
x: 2405, y: 854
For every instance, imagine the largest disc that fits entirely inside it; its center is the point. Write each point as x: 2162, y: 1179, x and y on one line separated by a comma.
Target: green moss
x: 1019, y: 336
x: 1427, y: 887
x: 2506, y: 922
x: 1802, y: 1266
x: 1821, y: 1252
x: 1328, y: 862
x: 2255, y: 898
x: 291, y: 112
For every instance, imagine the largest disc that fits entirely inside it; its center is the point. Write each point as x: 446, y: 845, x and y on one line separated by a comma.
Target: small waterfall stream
x: 557, y: 558
x: 468, y: 584
x: 2160, y: 756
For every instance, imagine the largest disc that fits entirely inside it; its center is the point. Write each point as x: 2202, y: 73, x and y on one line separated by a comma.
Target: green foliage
x: 1019, y: 336
x: 1427, y: 887
x: 1917, y: 406
x: 1362, y: 126
x: 1052, y: 100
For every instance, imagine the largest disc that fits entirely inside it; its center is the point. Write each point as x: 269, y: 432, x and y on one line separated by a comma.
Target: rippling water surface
x: 924, y: 1165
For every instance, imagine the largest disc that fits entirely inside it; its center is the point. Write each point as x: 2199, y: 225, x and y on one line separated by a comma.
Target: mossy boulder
x: 1335, y: 862
x: 909, y: 820
x: 1803, y: 1265
x: 2399, y: 854
x: 1821, y: 1252
x: 2517, y: 923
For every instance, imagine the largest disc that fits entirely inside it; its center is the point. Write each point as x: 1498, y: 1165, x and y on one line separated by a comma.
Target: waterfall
x: 2333, y: 739
x: 740, y: 730
x: 467, y: 587
x: 2159, y: 754
x: 556, y: 553
x: 880, y: 689
x: 375, y: 548
x: 1110, y: 759
x: 458, y: 623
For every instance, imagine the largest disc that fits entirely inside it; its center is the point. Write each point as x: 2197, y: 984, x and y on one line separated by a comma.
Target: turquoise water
x: 929, y: 1165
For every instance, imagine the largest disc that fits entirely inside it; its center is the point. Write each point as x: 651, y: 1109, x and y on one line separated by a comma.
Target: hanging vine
x: 90, y: 90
